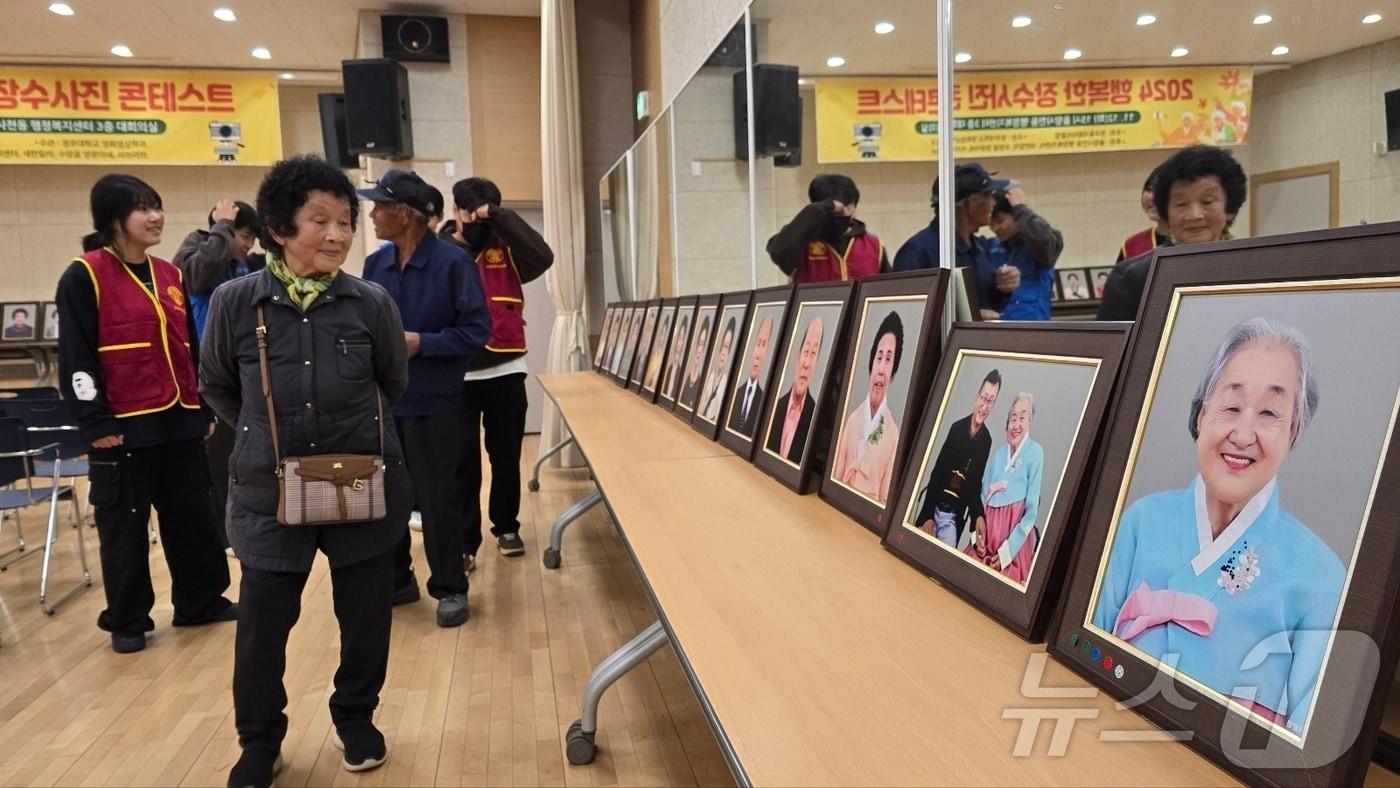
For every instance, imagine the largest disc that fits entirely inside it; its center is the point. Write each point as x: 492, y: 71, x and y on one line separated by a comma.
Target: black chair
x: 50, y: 421
x: 17, y: 460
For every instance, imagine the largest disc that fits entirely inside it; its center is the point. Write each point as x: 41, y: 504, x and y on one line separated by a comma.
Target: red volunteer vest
x: 824, y: 264
x: 141, y: 337
x: 1139, y: 243
x: 504, y: 297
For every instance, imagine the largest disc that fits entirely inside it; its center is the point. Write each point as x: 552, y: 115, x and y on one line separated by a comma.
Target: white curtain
x: 561, y: 160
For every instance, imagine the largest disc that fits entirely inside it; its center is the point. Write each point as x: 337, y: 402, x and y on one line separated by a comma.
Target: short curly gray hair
x: 1262, y: 329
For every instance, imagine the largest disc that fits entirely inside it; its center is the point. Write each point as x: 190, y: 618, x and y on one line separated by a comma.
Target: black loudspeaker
x: 418, y: 39
x: 777, y: 128
x: 333, y: 130
x: 1392, y: 120
x: 793, y: 158
x: 378, y: 121
x: 730, y: 52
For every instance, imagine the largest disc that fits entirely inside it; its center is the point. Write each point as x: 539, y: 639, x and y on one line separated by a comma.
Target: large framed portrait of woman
x: 601, y: 352
x: 681, y: 329
x: 987, y: 501
x: 800, y: 404
x: 754, y: 368
x: 642, y: 319
x: 894, y: 349
x: 623, y: 328
x: 656, y: 357
x: 702, y: 336
x: 1240, y: 561
x: 650, y: 318
x: 719, y: 368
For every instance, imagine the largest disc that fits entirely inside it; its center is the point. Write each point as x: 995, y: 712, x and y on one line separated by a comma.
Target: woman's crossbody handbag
x: 323, y: 489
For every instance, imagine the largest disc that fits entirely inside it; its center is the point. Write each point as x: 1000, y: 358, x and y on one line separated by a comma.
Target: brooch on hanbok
x: 1239, y: 571
x: 878, y: 433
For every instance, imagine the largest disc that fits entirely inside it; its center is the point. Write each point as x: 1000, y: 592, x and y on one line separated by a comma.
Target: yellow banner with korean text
x: 1023, y: 113
x: 132, y: 116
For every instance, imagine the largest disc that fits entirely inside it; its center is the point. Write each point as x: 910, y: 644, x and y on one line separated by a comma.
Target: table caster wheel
x: 533, y: 485
x: 579, y: 745
x: 551, y: 558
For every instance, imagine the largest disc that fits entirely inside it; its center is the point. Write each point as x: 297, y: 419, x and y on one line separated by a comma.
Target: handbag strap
x: 272, y: 410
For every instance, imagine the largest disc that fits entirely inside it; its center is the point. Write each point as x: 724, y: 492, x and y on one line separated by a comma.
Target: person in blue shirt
x: 1032, y: 247
x: 973, y: 192
x: 446, y: 324
x: 1219, y: 575
x: 1006, y: 534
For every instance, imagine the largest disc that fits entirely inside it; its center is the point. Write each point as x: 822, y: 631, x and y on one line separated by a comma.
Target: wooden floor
x: 484, y: 704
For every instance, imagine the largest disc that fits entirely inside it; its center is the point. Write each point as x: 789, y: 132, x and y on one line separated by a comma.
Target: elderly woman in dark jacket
x: 335, y: 343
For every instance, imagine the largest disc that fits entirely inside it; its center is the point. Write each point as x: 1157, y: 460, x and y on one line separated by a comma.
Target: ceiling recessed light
x: 290, y: 75
x: 884, y: 28
x: 224, y: 14
x: 1072, y: 54
x: 1263, y: 19
x: 63, y: 9
x: 1020, y: 21
x: 1280, y: 50
x: 261, y: 53
x: 962, y: 57
x: 1145, y: 20
x: 1180, y: 52
x: 121, y: 50
x: 1369, y: 19
x: 836, y: 61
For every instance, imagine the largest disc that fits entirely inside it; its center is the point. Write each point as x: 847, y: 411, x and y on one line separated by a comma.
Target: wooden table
x: 819, y: 657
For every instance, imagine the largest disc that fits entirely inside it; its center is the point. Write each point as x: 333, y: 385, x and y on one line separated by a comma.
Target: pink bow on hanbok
x: 1146, y: 608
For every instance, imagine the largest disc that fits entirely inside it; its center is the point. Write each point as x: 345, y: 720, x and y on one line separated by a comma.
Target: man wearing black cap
x: 446, y: 323
x: 974, y: 194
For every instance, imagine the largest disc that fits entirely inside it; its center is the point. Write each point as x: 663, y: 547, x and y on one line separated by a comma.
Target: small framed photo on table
x: 733, y: 314
x: 1074, y: 284
x: 50, y: 312
x: 639, y: 362
x: 601, y: 352
x: 21, y: 321
x: 656, y: 358
x: 681, y: 329
x: 1098, y: 280
x: 701, y: 337
x: 752, y: 380
x: 622, y: 326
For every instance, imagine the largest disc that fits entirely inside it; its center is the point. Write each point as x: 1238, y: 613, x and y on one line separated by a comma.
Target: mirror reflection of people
x: 1032, y: 247
x: 19, y: 327
x: 870, y: 435
x: 1074, y: 288
x: 748, y: 400
x: 1199, y: 190
x: 1006, y: 535
x: 713, y: 396
x: 825, y: 242
x: 1144, y: 241
x: 954, y: 491
x: 690, y: 388
x: 658, y: 347
x: 792, y: 419
x: 51, y: 327
x: 1210, y: 572
x: 677, y: 355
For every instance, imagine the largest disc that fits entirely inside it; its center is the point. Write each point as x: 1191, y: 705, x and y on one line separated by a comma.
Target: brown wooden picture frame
x: 737, y: 304
x: 600, y: 354
x: 1022, y: 606
x: 660, y: 346
x: 617, y: 351
x: 799, y: 474
x: 1346, y: 700
x: 630, y: 341
x: 919, y: 361
x: 702, y: 335
x: 651, y: 318
x: 681, y: 329
x: 765, y: 301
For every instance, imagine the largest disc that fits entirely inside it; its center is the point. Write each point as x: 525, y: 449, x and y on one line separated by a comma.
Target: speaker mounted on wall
x: 378, y: 119
x: 415, y: 39
x: 777, y: 127
x: 1392, y: 120
x: 333, y: 136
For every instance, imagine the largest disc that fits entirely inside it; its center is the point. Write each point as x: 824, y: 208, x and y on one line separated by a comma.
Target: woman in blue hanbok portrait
x: 1218, y: 579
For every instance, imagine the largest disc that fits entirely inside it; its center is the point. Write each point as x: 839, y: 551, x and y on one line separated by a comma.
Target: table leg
x: 579, y: 739
x: 534, y: 484
x: 552, y: 554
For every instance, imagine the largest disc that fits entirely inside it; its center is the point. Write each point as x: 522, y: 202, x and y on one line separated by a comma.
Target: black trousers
x: 124, y: 485
x: 269, y: 604
x: 498, y: 405
x: 431, y: 454
x: 220, y: 448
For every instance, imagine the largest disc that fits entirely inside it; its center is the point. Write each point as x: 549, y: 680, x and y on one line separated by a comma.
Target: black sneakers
x: 510, y: 545
x: 128, y: 644
x: 255, y: 769
x: 363, y: 746
x: 408, y: 594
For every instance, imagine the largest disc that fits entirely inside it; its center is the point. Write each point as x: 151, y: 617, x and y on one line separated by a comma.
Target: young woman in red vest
x: 127, y: 368
x: 825, y: 242
x: 508, y: 253
x: 1144, y: 241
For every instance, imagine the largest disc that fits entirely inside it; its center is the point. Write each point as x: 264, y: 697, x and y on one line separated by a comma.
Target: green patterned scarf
x: 302, y: 290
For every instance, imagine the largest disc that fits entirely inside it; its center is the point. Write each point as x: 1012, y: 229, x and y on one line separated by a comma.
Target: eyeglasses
x: 987, y: 400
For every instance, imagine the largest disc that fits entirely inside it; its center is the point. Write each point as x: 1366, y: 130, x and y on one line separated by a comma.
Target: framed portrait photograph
x: 681, y: 329
x: 732, y: 318
x: 1055, y: 290
x: 50, y: 312
x: 766, y: 321
x: 601, y: 352
x: 986, y: 503
x: 639, y: 362
x: 622, y: 326
x: 1074, y: 284
x: 1237, y: 576
x: 21, y: 321
x: 799, y: 404
x: 656, y: 358
x: 634, y: 338
x: 894, y: 349
x: 1098, y: 280
x: 702, y: 335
